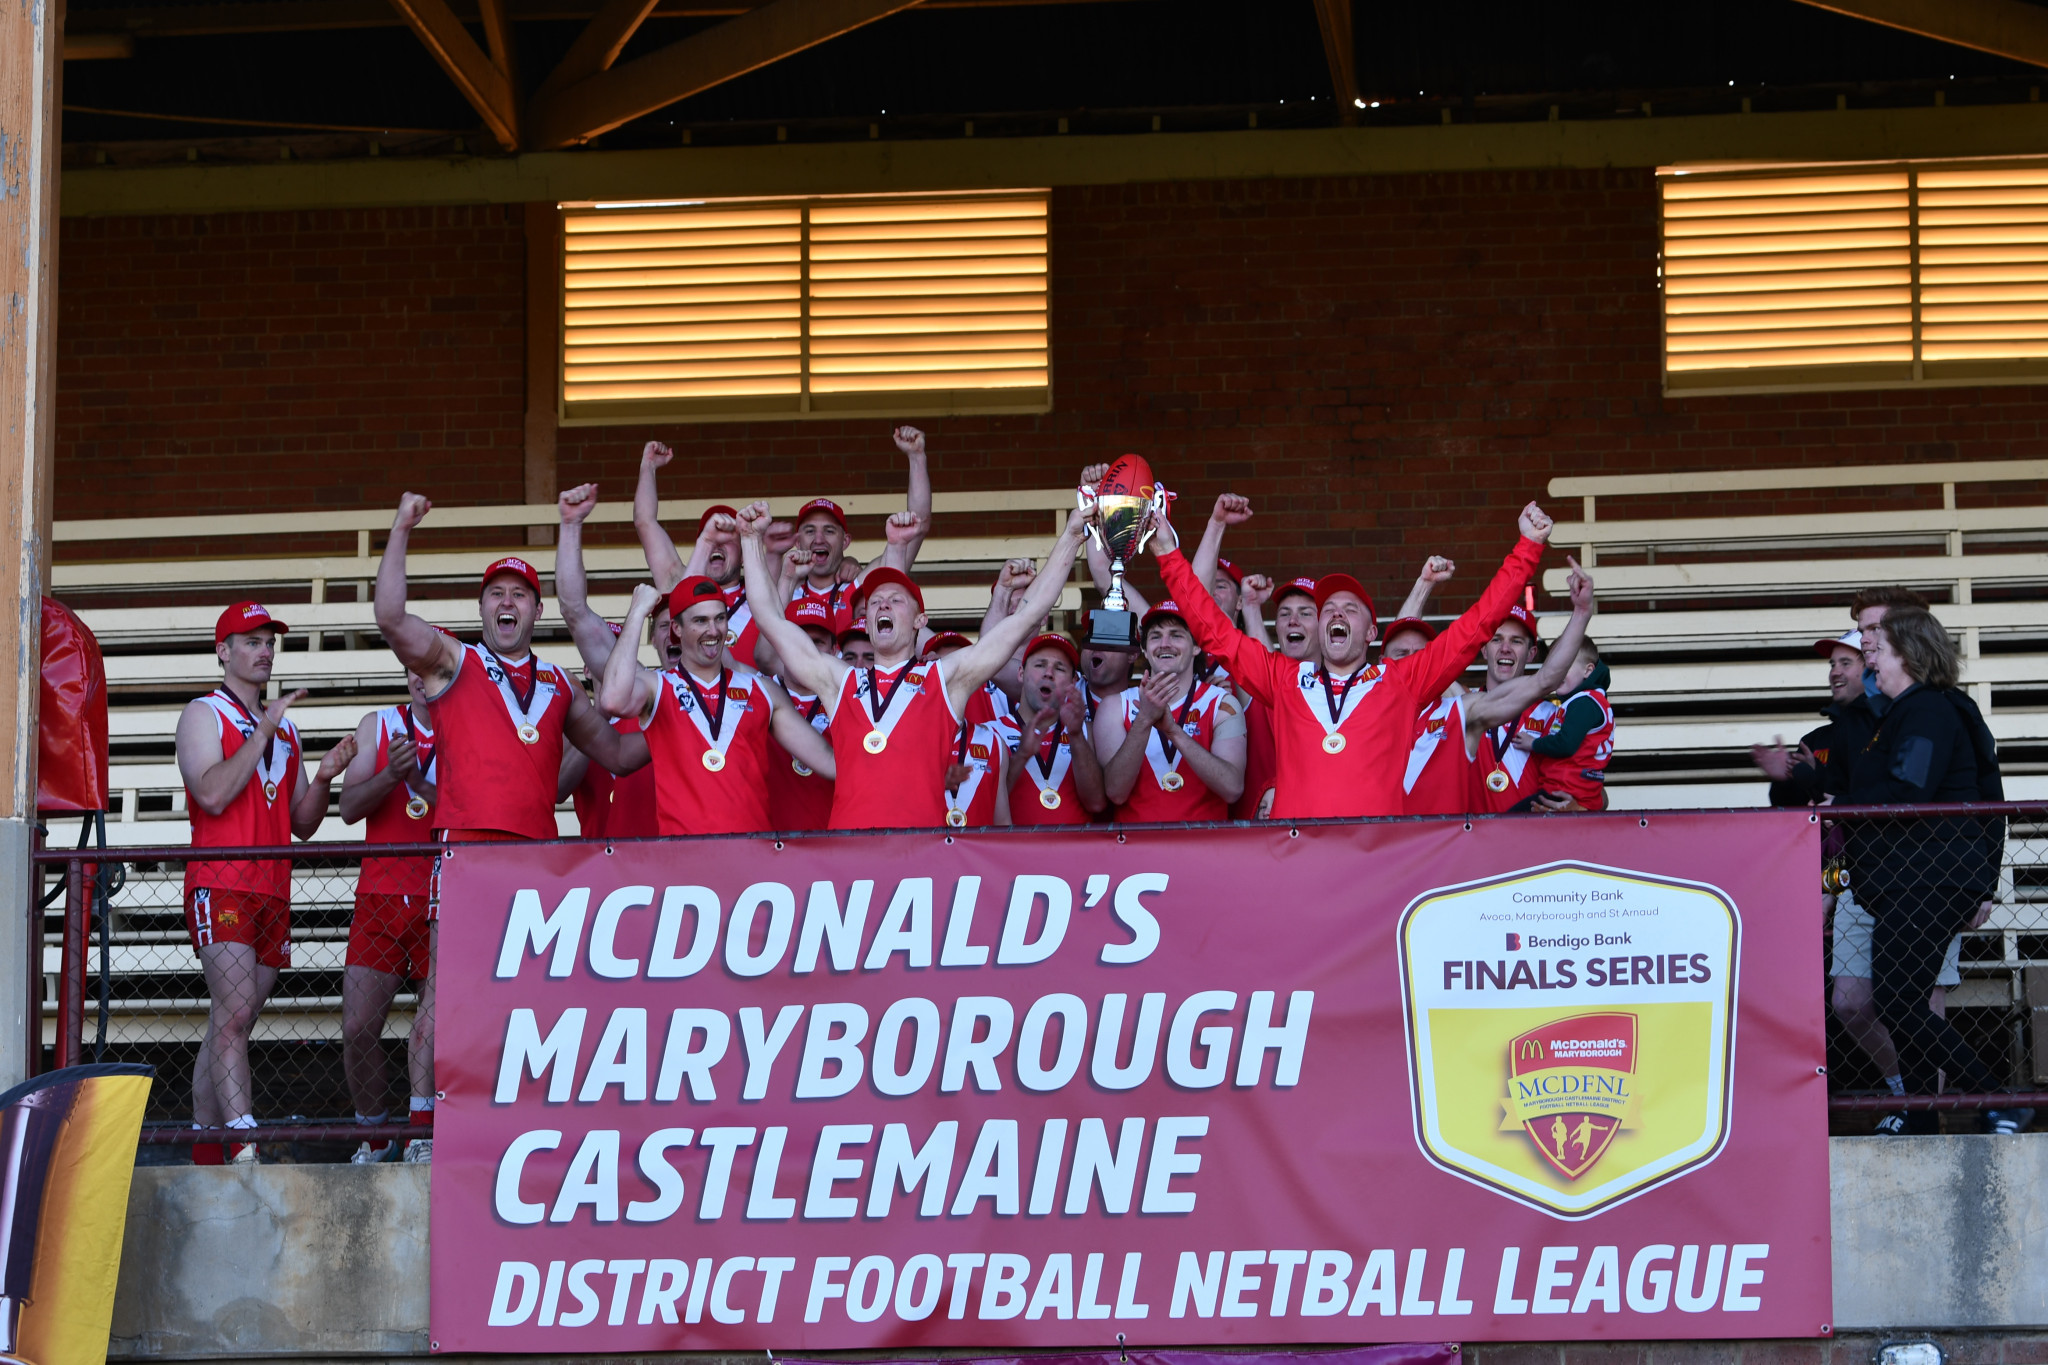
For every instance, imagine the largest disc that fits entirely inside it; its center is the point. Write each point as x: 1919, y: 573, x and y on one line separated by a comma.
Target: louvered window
x: 1855, y: 276
x: 805, y: 307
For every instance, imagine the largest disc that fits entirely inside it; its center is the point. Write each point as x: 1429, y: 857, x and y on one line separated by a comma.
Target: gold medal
x: 958, y: 818
x: 529, y: 733
x: 1048, y: 798
x: 1497, y: 781
x: 731, y: 638
x: 1173, y: 782
x: 1333, y: 743
x: 797, y: 766
x: 875, y: 742
x: 270, y: 791
x: 417, y: 807
x: 713, y: 760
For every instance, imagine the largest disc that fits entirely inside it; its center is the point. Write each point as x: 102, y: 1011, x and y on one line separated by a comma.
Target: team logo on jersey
x: 1588, y: 1062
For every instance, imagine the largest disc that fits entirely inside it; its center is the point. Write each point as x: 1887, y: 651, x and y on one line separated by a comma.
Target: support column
x: 543, y: 346
x: 31, y: 72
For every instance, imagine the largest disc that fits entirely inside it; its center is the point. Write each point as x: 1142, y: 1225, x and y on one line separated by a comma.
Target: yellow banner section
x: 1571, y: 1090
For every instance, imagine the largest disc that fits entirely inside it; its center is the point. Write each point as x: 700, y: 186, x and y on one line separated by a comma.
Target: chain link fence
x: 1933, y: 926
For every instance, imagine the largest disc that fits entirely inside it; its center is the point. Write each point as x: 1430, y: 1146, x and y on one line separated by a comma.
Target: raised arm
x: 662, y: 560
x: 421, y: 648
x: 627, y: 687
x: 917, y: 498
x: 1231, y: 510
x: 1428, y: 671
x: 802, y: 664
x: 1251, y: 665
x: 1251, y: 607
x: 594, y: 639
x: 1098, y: 558
x: 588, y: 730
x: 1500, y: 705
x: 1435, y: 570
x: 967, y: 670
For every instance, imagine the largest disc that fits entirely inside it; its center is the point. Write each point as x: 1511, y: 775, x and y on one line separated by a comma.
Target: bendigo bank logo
x: 1582, y: 1057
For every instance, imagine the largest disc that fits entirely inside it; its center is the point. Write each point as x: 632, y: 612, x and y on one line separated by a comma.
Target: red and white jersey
x: 1583, y: 776
x: 799, y: 798
x: 1341, y: 744
x: 710, y: 753
x: 498, y: 745
x: 609, y: 807
x: 1167, y: 790
x: 893, y: 736
x: 1260, y: 765
x: 1045, y: 794
x: 979, y: 747
x: 740, y: 628
x: 1508, y: 774
x: 1443, y: 777
x: 403, y: 816
x: 261, y: 813
x: 837, y: 601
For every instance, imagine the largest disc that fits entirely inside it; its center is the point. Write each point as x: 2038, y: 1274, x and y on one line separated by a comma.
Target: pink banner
x: 1410, y: 1081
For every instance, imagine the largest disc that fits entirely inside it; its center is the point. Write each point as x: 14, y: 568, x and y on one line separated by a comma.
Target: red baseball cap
x: 1848, y: 640
x: 1525, y: 617
x: 692, y: 590
x: 858, y: 630
x: 517, y: 567
x: 1167, y: 608
x: 1330, y: 584
x: 1054, y: 640
x: 1305, y: 586
x: 244, y: 617
x: 825, y: 505
x: 1236, y: 574
x: 946, y: 639
x: 809, y: 611
x: 877, y: 577
x: 1393, y: 628
x: 713, y: 511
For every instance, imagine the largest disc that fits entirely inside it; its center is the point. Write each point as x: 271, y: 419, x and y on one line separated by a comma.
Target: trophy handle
x: 1090, y: 504
x: 1155, y: 514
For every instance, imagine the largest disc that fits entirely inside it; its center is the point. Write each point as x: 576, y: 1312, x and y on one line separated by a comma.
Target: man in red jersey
x: 1058, y: 779
x: 1173, y: 747
x: 246, y: 786
x: 389, y: 783
x: 1509, y: 772
x: 707, y: 723
x: 799, y: 796
x: 607, y: 807
x: 895, y: 726
x: 1448, y: 777
x: 1342, y: 729
x: 501, y: 714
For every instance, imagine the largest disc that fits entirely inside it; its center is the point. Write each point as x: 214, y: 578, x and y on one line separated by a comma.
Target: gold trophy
x: 1131, y: 504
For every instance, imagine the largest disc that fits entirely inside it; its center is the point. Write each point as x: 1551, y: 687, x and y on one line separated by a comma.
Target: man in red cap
x: 501, y: 714
x: 799, y: 796
x: 246, y: 786
x: 895, y: 726
x: 1510, y: 774
x: 607, y: 806
x: 1173, y: 748
x: 389, y: 784
x: 1342, y: 730
x: 1058, y: 779
x: 1447, y: 777
x: 707, y: 723
x: 1294, y: 622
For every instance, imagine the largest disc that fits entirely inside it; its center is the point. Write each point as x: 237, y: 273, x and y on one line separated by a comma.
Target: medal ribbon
x: 713, y: 722
x: 520, y: 707
x: 423, y: 753
x: 962, y: 798
x: 270, y: 768
x: 884, y: 716
x: 1340, y: 703
x: 1062, y: 759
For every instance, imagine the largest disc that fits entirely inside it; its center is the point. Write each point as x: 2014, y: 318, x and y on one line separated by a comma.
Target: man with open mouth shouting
x: 894, y: 725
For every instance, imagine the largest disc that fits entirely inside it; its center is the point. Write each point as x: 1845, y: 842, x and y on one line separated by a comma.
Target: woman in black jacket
x: 1921, y: 880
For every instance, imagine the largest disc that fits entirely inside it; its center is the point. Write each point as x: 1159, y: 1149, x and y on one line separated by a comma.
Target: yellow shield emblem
x: 1570, y: 1031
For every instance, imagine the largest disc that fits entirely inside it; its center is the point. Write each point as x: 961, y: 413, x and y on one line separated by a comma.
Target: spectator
x: 1922, y: 880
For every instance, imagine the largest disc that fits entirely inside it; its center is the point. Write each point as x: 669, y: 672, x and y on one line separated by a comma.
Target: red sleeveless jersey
x: 978, y: 745
x: 1341, y: 745
x: 1049, y: 770
x: 610, y: 807
x: 489, y: 778
x: 1509, y: 774
x: 1167, y: 789
x: 689, y: 796
x: 1583, y: 776
x: 837, y: 601
x: 1259, y: 759
x: 903, y: 785
x: 259, y: 816
x: 1443, y: 777
x: 394, y: 821
x: 798, y: 798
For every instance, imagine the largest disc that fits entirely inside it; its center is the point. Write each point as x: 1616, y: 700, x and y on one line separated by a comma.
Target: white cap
x: 1851, y: 639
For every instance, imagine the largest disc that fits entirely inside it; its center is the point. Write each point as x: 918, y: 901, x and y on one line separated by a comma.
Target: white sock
x: 246, y: 1121
x: 1895, y: 1084
x: 420, y: 1102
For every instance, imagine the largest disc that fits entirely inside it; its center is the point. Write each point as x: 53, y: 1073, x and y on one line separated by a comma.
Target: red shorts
x: 389, y: 934
x: 216, y: 914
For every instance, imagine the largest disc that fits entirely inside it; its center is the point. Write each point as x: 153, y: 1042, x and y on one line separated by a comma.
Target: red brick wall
x: 1389, y: 366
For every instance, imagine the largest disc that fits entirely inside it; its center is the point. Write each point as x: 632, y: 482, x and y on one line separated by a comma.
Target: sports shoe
x: 370, y: 1154
x: 1891, y: 1125
x: 242, y: 1154
x: 2007, y: 1120
x: 419, y: 1152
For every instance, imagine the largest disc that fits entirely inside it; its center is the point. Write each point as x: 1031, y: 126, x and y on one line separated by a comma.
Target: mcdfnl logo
x: 1590, y: 1059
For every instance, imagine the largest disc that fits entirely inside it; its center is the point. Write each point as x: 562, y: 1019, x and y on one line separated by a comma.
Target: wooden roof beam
x: 481, y: 82
x: 598, y: 45
x: 776, y: 30
x: 2004, y: 28
x: 1334, y: 18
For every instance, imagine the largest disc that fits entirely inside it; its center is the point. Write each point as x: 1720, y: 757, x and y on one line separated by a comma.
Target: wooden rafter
x: 599, y: 45
x: 776, y: 30
x: 1334, y: 18
x: 498, y: 36
x: 483, y: 84
x: 2005, y: 28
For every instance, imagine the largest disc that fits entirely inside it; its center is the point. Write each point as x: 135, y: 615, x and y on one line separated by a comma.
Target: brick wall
x: 1390, y: 366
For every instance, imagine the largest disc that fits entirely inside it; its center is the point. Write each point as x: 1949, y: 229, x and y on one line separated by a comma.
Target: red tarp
x: 71, y: 762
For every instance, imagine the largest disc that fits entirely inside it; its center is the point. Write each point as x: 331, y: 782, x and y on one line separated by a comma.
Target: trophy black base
x: 1112, y: 629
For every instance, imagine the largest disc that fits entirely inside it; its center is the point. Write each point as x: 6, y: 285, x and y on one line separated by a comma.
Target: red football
x: 1130, y: 476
